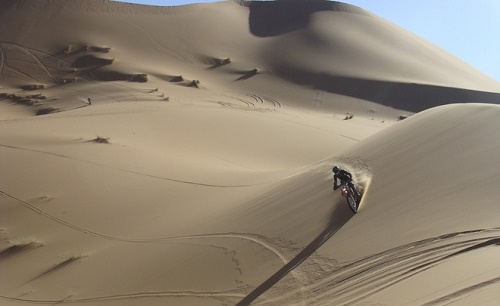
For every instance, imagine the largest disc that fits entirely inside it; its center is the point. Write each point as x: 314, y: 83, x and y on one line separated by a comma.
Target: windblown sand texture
x: 200, y: 174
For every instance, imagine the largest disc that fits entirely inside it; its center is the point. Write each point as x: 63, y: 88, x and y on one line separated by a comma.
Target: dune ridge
x: 183, y: 155
x: 106, y: 6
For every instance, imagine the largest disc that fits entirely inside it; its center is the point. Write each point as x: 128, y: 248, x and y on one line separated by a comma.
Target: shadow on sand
x: 406, y: 96
x: 273, y: 18
x: 340, y: 215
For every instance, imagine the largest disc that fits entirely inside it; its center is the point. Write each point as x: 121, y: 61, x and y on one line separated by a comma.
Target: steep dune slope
x: 430, y: 218
x: 347, y: 41
x: 427, y: 231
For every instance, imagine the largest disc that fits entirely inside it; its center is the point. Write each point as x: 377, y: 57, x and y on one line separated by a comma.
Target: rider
x: 342, y: 175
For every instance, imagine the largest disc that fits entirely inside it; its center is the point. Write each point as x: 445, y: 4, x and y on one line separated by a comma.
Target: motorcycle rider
x: 342, y: 175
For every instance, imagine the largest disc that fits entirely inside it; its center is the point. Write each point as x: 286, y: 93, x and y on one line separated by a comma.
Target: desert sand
x: 200, y: 173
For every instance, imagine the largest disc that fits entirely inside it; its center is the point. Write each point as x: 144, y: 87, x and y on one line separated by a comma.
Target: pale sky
x: 470, y: 30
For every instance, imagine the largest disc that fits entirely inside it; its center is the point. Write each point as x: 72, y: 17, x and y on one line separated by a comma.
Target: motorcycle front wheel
x: 352, y: 202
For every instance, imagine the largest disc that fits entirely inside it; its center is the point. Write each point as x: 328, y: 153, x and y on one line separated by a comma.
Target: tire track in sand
x: 262, y: 241
x: 354, y: 282
x: 132, y: 172
x: 455, y: 296
x: 257, y: 239
x: 261, y: 100
x: 297, y: 260
x: 31, y: 55
x: 137, y: 295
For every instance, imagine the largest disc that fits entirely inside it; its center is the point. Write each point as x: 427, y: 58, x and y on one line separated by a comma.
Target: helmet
x: 335, y: 169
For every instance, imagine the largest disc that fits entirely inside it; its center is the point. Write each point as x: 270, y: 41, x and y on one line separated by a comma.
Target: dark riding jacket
x: 343, y: 176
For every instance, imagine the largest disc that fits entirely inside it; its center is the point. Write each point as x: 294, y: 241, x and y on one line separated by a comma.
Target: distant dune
x: 182, y: 156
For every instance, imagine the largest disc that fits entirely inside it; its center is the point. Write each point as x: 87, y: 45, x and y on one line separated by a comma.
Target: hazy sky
x: 467, y: 29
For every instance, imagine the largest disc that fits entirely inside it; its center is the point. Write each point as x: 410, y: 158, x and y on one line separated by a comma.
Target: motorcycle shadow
x: 340, y: 215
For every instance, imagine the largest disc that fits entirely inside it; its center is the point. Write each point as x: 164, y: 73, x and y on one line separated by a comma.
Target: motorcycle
x: 352, y: 196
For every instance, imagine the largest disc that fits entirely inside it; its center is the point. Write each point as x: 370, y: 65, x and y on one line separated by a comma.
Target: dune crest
x: 89, y: 6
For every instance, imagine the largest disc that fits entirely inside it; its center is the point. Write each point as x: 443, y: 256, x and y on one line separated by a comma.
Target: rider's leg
x: 354, y: 188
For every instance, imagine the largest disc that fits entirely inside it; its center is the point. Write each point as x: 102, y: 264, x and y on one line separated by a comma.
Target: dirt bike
x: 352, y: 196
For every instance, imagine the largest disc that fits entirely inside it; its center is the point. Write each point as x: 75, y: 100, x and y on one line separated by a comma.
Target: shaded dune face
x: 344, y: 50
x: 273, y: 18
x: 408, y: 96
x: 341, y: 49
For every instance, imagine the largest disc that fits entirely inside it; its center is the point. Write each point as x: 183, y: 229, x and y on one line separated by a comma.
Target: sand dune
x: 200, y: 174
